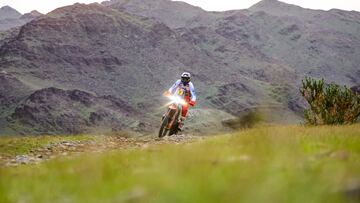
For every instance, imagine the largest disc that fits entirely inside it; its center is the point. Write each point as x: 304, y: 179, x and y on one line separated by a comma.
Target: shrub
x: 249, y: 120
x: 330, y: 104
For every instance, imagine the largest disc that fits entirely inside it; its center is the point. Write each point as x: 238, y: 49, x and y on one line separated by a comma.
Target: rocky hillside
x: 133, y: 50
x: 308, y: 41
x: 51, y: 110
x: 10, y: 18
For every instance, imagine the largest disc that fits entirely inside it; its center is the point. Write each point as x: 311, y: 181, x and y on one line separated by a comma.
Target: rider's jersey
x: 187, y: 91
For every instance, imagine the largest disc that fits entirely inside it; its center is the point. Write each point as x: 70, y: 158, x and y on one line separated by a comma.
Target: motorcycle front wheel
x: 163, y: 129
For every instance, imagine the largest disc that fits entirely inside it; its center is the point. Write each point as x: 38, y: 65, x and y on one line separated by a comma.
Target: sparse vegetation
x: 329, y: 104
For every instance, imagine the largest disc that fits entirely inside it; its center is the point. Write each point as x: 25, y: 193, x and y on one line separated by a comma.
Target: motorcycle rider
x: 185, y: 88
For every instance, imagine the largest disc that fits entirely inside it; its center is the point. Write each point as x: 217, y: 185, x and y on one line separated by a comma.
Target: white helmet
x: 185, y: 77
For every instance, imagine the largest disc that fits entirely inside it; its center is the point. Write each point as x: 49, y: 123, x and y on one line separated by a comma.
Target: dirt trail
x: 101, y: 144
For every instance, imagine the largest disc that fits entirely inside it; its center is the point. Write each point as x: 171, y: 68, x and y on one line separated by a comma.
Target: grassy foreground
x: 269, y: 164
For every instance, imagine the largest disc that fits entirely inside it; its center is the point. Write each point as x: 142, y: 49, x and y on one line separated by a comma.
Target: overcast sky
x: 45, y: 6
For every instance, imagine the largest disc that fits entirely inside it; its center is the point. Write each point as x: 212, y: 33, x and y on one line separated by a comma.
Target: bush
x: 330, y: 104
x: 249, y: 120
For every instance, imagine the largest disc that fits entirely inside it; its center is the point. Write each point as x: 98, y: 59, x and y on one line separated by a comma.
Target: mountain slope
x: 98, y: 44
x: 55, y: 111
x: 309, y: 41
x: 317, y: 43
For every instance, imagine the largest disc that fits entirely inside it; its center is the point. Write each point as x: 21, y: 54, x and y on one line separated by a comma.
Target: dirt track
x: 102, y: 144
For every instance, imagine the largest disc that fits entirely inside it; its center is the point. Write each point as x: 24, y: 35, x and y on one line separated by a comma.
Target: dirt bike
x: 170, y: 121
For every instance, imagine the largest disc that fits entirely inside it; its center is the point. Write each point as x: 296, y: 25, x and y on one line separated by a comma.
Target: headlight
x: 177, y: 100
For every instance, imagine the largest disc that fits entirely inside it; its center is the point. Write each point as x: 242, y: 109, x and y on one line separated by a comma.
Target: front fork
x: 173, y: 115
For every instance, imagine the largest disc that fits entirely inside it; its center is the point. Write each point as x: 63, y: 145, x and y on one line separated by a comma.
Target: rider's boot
x: 181, y: 123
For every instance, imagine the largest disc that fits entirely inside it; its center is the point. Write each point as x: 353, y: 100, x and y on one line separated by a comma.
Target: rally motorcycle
x: 170, y: 121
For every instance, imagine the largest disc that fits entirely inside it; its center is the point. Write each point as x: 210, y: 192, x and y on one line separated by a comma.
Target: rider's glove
x: 192, y: 103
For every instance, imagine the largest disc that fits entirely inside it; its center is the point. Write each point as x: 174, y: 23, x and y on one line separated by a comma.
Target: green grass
x: 267, y: 164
